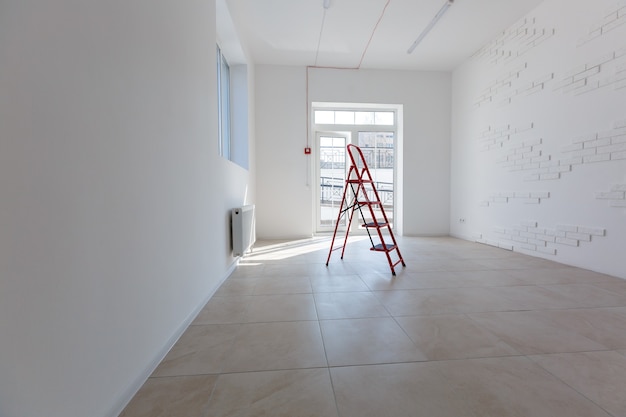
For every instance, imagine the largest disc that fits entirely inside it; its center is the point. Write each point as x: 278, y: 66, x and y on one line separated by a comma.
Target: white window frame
x: 223, y: 105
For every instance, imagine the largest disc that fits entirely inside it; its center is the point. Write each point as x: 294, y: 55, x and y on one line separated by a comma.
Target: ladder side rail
x: 354, y: 206
x: 353, y: 161
x: 339, y: 216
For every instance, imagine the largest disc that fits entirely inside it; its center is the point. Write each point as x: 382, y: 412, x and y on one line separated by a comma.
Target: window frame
x: 224, y: 117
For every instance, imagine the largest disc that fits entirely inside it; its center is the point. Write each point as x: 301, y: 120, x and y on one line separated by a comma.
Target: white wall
x: 539, y: 137
x: 114, y: 203
x: 285, y: 204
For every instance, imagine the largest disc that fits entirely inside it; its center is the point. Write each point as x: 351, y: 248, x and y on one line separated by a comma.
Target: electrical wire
x: 317, y: 51
x: 319, y: 39
x: 372, y: 35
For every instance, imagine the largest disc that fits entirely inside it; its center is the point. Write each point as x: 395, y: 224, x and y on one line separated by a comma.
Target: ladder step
x: 372, y: 224
x: 358, y: 181
x: 381, y: 248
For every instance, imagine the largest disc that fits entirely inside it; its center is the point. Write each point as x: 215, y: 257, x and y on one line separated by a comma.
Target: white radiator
x: 243, y: 229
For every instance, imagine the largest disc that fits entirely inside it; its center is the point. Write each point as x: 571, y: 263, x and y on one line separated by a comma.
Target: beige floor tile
x: 413, y: 264
x: 293, y: 270
x: 531, y: 297
x: 283, y: 285
x: 410, y: 280
x: 370, y: 263
x: 293, y: 393
x: 247, y: 269
x: 453, y: 337
x: 312, y: 250
x: 338, y: 283
x: 367, y: 341
x: 481, y: 252
x: 275, y: 346
x: 200, y: 350
x: 584, y: 295
x: 464, y: 279
x: 224, y: 310
x: 485, y: 278
x: 395, y: 390
x: 517, y: 262
x: 560, y: 275
x: 185, y: 396
x: 348, y: 305
x: 606, y: 326
x: 532, y: 332
x: 599, y: 376
x: 336, y: 268
x: 236, y: 287
x: 463, y: 265
x: 513, y: 386
x: 284, y: 307
x: 445, y: 301
x: 618, y: 286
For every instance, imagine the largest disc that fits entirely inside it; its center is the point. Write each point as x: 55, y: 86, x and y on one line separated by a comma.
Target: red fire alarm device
x: 307, y: 151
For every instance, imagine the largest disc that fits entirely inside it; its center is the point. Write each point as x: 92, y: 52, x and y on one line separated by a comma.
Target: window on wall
x: 223, y: 105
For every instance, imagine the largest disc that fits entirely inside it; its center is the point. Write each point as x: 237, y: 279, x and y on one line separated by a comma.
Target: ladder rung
x: 357, y: 181
x: 381, y: 248
x: 399, y: 261
x: 370, y: 202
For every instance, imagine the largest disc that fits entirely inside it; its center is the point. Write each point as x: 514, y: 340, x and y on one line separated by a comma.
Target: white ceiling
x: 287, y: 32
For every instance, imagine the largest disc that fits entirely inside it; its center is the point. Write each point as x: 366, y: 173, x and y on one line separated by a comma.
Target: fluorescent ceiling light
x: 432, y: 23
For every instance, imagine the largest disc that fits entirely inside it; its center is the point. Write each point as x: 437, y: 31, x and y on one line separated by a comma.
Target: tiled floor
x: 465, y: 330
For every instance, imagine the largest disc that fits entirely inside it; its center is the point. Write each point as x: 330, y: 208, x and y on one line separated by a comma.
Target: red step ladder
x: 360, y: 182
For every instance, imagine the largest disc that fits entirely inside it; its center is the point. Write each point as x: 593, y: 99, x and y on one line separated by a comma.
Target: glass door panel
x: 379, y: 152
x: 331, y: 174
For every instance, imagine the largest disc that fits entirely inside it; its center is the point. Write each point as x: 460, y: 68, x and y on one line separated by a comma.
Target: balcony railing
x: 331, y: 191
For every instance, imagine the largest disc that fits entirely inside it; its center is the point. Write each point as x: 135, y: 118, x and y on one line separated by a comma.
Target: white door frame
x: 353, y: 130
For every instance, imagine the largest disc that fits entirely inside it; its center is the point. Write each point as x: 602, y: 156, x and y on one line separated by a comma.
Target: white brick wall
x: 616, y: 197
x: 526, y: 154
x: 495, y: 137
x: 615, y: 16
x: 506, y: 88
x: 574, y: 97
x: 528, y: 236
x: 514, y: 42
x: 524, y: 197
x: 603, y: 71
x: 604, y: 146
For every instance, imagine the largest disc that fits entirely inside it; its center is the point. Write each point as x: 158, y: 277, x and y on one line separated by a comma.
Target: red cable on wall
x: 308, y: 115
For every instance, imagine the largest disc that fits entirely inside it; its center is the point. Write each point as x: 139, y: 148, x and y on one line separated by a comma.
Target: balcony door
x: 375, y: 131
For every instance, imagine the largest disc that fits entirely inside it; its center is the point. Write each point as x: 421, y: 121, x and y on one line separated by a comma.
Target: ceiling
x: 288, y: 32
